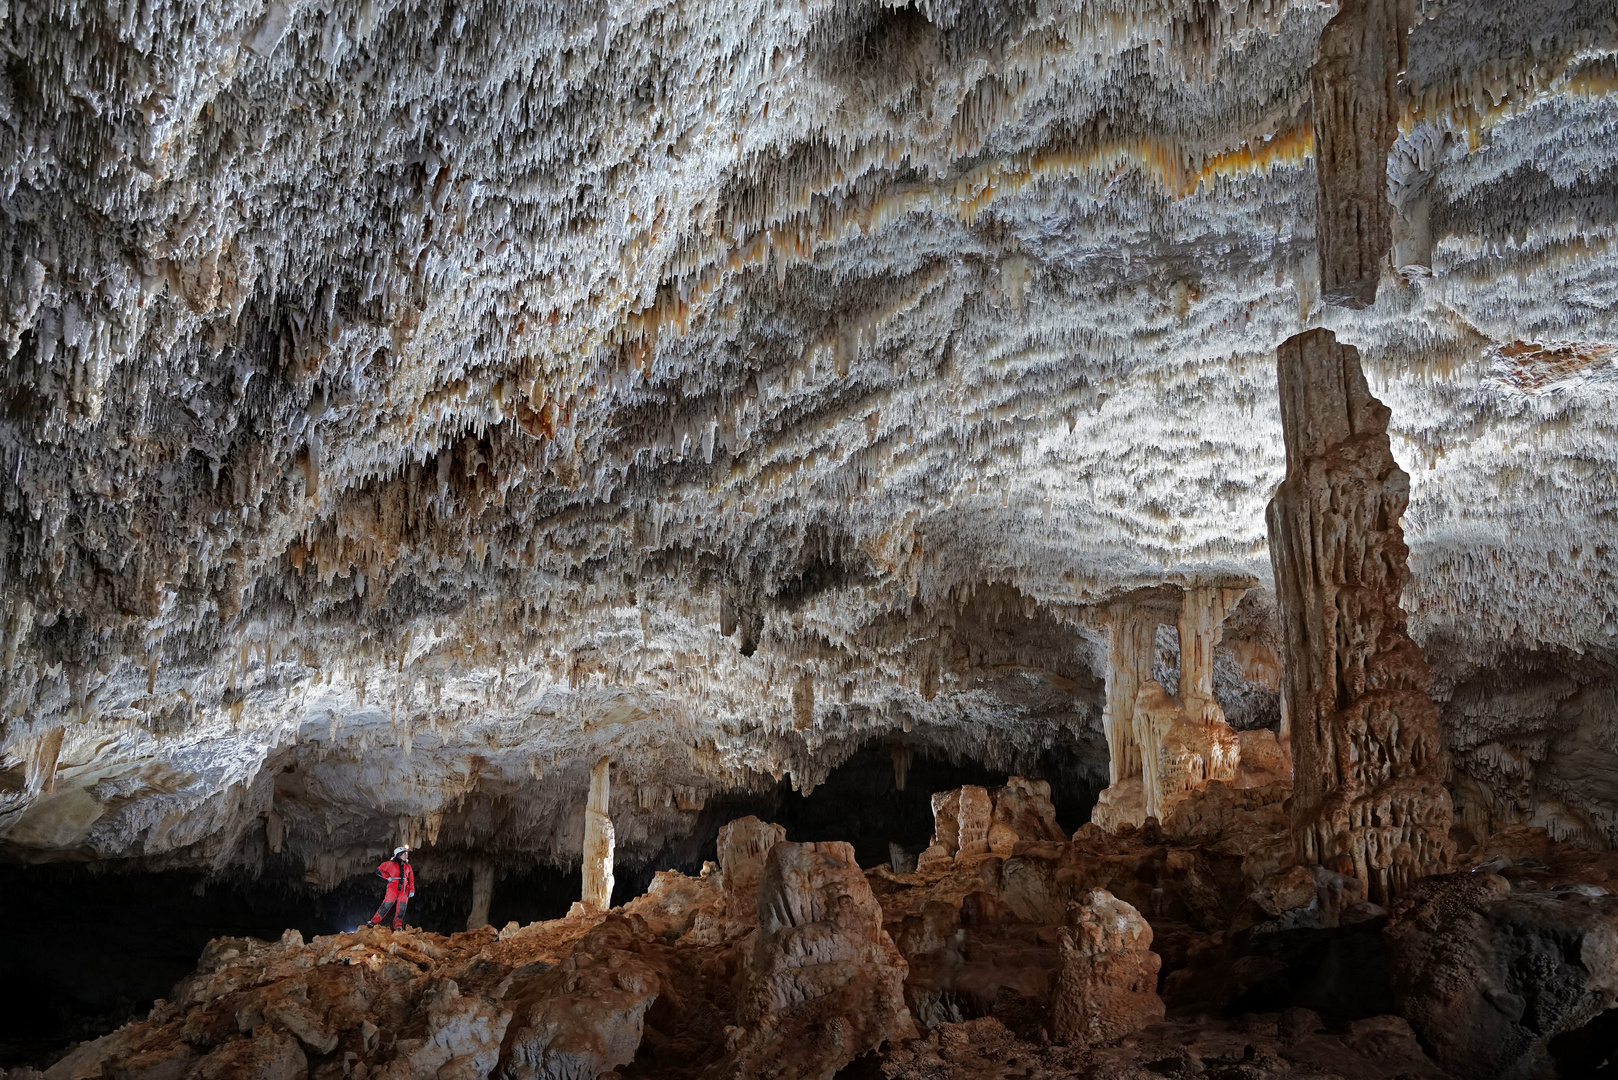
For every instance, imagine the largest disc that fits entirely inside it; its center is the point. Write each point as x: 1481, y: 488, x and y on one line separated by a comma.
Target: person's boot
x: 398, y: 924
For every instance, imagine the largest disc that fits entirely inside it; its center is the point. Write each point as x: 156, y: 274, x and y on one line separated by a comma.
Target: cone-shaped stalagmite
x: 1369, y: 759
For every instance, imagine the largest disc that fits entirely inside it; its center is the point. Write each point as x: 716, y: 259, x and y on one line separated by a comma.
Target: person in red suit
x: 401, y: 879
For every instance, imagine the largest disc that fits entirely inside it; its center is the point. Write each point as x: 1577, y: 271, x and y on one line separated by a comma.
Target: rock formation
x: 1369, y: 758
x: 407, y: 409
x: 1176, y: 743
x: 1355, y: 81
x: 1489, y: 970
x: 823, y: 983
x: 598, y: 839
x: 558, y: 423
x: 743, y: 846
x: 1131, y: 646
x: 1107, y: 984
x: 1048, y: 954
x: 972, y: 821
x: 482, y: 894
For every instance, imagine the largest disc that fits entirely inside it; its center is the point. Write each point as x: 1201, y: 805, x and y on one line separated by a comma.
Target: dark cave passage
x: 81, y: 952
x: 860, y: 803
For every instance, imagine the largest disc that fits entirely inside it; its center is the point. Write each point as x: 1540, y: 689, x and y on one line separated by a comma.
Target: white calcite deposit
x: 406, y: 406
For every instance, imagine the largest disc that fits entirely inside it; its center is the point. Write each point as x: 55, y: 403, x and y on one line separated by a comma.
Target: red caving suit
x: 401, y: 879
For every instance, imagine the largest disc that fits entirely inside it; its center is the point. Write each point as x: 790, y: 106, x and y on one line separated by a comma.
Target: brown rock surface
x: 656, y: 987
x: 1260, y: 1047
x: 1357, y: 65
x: 823, y: 982
x: 1047, y: 959
x: 1488, y: 974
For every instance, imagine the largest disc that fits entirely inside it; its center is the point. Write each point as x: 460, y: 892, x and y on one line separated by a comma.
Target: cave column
x: 1131, y: 648
x: 1369, y: 759
x: 598, y: 838
x: 482, y: 893
x: 1202, y: 622
x: 1184, y: 739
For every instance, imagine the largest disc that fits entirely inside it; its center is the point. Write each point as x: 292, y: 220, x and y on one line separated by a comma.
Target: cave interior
x: 921, y: 539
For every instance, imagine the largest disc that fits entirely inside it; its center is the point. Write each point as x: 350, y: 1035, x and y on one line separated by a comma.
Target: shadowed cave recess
x: 916, y: 539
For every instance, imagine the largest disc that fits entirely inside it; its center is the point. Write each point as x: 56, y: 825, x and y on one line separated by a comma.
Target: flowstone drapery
x: 1369, y: 756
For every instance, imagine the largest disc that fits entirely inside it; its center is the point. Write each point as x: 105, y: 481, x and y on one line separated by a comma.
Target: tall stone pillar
x: 1369, y: 759
x: 1202, y: 623
x: 482, y: 893
x: 1131, y: 646
x: 598, y: 839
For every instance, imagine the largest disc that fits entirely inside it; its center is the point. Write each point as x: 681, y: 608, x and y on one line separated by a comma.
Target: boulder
x: 1023, y: 812
x: 586, y: 1017
x: 271, y: 1054
x: 971, y: 821
x: 462, y: 1042
x: 675, y: 904
x: 1487, y: 975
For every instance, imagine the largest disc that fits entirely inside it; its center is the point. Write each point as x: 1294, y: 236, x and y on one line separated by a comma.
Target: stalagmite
x: 483, y: 893
x: 406, y: 407
x: 1106, y: 986
x: 1369, y: 758
x: 598, y: 839
x: 1357, y: 65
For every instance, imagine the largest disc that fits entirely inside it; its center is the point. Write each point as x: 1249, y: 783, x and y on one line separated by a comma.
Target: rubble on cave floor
x: 1008, y: 954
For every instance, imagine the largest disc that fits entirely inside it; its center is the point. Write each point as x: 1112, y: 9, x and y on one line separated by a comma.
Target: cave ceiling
x: 408, y: 404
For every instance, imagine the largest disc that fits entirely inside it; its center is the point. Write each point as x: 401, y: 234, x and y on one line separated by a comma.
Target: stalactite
x: 1355, y: 77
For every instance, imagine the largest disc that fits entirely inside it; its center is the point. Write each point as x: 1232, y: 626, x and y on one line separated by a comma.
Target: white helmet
x: 402, y: 849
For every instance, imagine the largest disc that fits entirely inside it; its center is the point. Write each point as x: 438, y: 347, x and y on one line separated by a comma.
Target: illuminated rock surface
x: 1369, y: 758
